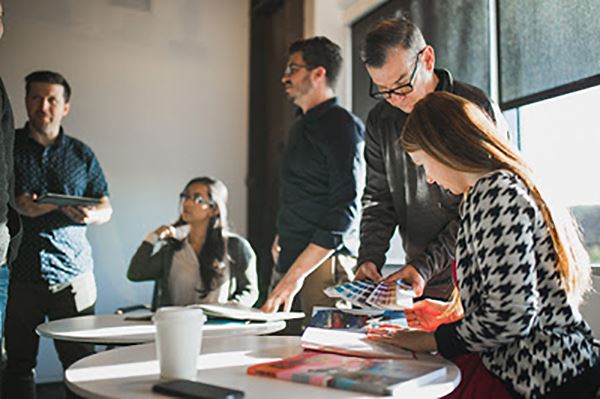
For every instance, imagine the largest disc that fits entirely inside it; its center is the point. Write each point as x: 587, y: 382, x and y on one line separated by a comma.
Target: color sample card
x: 355, y: 292
x: 366, y: 293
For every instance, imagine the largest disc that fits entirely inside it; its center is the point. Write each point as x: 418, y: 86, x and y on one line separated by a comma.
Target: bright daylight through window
x: 560, y: 138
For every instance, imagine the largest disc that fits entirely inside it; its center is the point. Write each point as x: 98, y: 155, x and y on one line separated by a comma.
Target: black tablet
x: 66, y: 200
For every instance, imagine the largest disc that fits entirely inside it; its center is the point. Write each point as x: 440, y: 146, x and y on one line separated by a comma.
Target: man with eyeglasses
x: 52, y: 276
x: 397, y: 194
x: 321, y: 177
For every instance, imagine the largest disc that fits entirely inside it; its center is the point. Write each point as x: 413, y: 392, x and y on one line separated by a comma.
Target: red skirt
x: 476, y: 381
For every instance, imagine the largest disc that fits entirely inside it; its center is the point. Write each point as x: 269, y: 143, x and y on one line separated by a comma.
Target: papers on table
x: 227, y: 311
x: 239, y: 312
x: 350, y: 343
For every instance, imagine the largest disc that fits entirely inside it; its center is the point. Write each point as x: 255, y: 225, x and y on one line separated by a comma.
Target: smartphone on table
x: 197, y: 390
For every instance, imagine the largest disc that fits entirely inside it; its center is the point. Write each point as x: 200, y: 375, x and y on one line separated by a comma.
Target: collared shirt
x: 54, y: 248
x: 321, y: 180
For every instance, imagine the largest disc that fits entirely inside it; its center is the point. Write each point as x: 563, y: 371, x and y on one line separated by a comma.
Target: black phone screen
x: 198, y: 390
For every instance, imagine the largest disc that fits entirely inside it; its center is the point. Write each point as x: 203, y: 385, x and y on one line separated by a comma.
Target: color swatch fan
x: 356, y: 292
x: 366, y: 293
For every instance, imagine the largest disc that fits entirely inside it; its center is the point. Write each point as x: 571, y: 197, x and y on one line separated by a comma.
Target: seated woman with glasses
x: 198, y: 259
x: 514, y: 326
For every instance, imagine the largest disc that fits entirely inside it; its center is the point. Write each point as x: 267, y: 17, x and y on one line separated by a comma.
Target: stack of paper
x: 366, y: 293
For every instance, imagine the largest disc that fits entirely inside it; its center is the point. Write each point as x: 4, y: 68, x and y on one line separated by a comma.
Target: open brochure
x: 366, y: 293
x: 375, y: 376
x: 240, y: 312
x: 359, y: 320
x: 349, y: 343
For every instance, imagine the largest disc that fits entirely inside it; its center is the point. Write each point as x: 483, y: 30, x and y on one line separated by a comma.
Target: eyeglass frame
x: 292, y: 68
x: 386, y: 94
x: 197, y: 199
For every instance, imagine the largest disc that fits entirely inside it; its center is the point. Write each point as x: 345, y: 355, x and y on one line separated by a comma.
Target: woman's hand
x: 164, y: 232
x: 425, y: 314
x: 428, y: 314
x: 413, y: 340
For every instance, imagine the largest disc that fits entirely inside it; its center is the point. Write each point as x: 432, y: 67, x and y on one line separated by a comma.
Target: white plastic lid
x: 174, y: 313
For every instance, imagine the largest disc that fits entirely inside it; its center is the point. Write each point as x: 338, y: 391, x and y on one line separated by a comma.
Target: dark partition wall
x: 547, y: 48
x: 458, y: 30
x: 275, y: 24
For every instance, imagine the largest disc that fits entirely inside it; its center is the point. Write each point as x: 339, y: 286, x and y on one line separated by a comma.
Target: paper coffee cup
x: 178, y: 341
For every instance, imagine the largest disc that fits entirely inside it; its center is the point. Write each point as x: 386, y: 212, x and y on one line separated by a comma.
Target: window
x: 560, y: 138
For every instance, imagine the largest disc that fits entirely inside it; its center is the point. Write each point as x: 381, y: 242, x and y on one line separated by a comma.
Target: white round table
x: 130, y: 372
x: 116, y: 330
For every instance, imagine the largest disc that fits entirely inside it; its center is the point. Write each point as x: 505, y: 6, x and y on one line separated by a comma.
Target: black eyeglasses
x: 400, y: 90
x: 197, y: 198
x: 291, y: 69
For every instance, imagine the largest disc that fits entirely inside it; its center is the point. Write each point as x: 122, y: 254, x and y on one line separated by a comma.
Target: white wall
x: 160, y: 95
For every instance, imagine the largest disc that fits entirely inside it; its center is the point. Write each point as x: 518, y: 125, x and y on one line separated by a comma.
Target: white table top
x: 130, y: 372
x: 115, y: 330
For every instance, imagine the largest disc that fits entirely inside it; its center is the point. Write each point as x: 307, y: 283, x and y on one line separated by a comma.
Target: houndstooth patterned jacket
x: 517, y: 315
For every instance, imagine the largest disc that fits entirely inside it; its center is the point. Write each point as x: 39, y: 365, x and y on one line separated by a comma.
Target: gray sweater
x: 147, y: 265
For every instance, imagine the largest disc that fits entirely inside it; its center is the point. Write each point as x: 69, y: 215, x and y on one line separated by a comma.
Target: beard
x: 299, y: 90
x: 41, y: 125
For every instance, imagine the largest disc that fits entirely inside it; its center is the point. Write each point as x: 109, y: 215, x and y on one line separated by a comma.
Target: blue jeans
x: 3, y: 296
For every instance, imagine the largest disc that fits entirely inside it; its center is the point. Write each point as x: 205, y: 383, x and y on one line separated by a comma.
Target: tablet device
x: 66, y: 200
x: 197, y: 390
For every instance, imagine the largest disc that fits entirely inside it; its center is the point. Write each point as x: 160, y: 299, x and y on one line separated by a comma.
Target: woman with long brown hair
x: 198, y: 259
x: 521, y: 269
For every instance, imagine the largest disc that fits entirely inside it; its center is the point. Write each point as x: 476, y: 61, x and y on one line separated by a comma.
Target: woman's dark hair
x: 213, y: 255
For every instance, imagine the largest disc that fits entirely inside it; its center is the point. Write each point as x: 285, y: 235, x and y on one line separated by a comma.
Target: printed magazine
x: 375, y: 376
